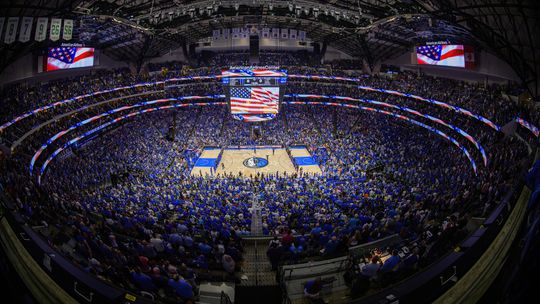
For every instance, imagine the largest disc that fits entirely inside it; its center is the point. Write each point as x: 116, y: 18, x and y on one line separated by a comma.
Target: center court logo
x: 255, y: 162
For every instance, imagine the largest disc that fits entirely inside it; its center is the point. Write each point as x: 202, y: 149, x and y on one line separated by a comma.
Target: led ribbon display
x: 316, y: 77
x: 111, y: 122
x: 438, y: 132
x: 76, y: 98
x: 529, y: 126
x: 94, y: 118
x: 396, y: 93
x: 116, y: 120
x: 415, y: 112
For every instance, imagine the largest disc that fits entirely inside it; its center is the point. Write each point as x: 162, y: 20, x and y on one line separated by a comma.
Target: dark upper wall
x: 26, y: 68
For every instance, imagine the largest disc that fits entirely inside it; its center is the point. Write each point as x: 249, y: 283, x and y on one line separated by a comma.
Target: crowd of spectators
x: 125, y: 207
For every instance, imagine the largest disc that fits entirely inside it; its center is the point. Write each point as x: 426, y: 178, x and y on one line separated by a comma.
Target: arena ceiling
x: 135, y: 30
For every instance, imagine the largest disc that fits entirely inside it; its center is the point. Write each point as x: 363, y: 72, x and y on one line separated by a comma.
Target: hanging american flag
x: 447, y: 55
x: 254, y: 100
x: 69, y: 57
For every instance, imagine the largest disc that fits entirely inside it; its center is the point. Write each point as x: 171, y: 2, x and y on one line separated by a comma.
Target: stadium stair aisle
x: 195, y: 124
x: 316, y: 122
x: 223, y: 123
x: 256, y: 269
x: 258, y: 282
x: 256, y: 219
x: 284, y: 113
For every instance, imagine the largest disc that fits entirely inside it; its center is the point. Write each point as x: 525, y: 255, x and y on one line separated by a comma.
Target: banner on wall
x: 54, y: 34
x: 275, y: 33
x: 26, y: 29
x: 11, y: 30
x: 41, y: 28
x: 67, y: 34
x: 215, y: 34
x: 469, y: 57
x: 244, y: 33
x: 235, y: 33
x: 265, y: 32
x: 292, y: 34
x: 284, y: 33
x: 2, y: 20
x: 301, y: 35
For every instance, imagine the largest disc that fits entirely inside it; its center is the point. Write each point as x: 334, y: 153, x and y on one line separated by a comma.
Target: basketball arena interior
x: 269, y: 152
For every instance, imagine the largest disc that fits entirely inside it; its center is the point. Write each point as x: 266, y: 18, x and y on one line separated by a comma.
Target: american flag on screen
x: 69, y: 57
x: 447, y: 55
x: 254, y: 100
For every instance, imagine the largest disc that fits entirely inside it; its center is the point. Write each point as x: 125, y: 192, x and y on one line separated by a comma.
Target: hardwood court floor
x: 233, y: 161
x: 204, y: 171
x: 309, y: 169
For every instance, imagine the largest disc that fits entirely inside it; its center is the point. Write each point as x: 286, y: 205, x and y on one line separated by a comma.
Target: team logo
x: 255, y: 162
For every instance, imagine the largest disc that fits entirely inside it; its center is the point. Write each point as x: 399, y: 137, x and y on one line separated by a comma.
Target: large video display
x: 254, y: 100
x: 61, y: 58
x: 254, y: 92
x: 441, y: 54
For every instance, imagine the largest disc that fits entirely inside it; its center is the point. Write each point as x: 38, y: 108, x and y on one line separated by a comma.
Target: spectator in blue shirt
x: 370, y: 270
x: 312, y: 290
x: 181, y: 287
x: 391, y: 263
x: 142, y: 281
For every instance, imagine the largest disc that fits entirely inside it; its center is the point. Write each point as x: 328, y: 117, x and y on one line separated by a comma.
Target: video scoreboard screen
x: 254, y: 92
x: 452, y: 55
x: 61, y: 58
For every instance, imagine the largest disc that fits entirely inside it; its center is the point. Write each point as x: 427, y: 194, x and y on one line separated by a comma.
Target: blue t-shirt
x: 181, y: 288
x: 143, y: 281
x: 330, y: 247
x: 205, y: 248
x: 311, y: 288
x: 390, y: 263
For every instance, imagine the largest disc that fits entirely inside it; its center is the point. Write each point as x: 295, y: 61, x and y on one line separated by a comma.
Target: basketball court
x: 249, y: 161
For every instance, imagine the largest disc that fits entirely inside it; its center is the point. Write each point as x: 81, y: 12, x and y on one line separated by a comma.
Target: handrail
x: 425, y: 285
x: 387, y: 241
x: 224, y: 298
x: 472, y: 286
x: 38, y: 282
x: 56, y: 279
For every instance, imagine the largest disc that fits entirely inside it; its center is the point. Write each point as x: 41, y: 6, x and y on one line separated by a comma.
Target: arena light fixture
x: 130, y: 24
